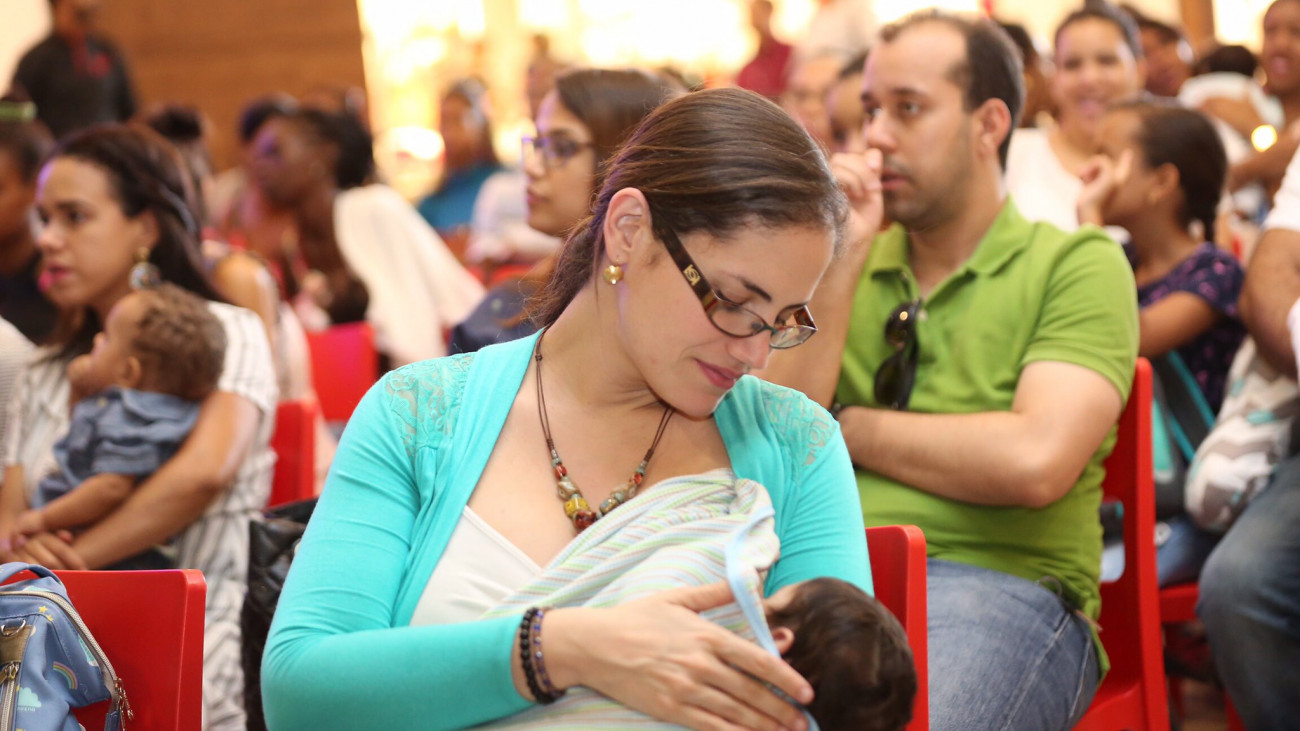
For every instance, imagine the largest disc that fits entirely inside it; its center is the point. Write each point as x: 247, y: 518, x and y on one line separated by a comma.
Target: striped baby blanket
x: 671, y: 536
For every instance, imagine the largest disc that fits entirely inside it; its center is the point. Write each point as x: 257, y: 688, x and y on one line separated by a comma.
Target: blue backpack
x: 49, y: 662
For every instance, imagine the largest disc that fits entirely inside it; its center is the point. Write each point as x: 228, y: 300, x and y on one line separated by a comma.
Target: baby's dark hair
x: 853, y: 652
x: 180, y: 343
x: 1229, y: 59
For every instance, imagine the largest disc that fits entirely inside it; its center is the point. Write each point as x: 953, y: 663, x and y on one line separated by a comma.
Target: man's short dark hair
x: 991, y: 70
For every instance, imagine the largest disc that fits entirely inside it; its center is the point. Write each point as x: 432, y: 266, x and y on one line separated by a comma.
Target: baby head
x: 852, y: 651
x: 163, y: 340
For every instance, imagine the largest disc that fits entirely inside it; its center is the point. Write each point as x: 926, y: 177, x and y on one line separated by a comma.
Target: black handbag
x: 272, y: 544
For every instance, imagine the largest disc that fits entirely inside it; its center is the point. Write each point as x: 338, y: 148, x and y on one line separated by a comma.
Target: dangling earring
x: 144, y: 275
x: 613, y: 274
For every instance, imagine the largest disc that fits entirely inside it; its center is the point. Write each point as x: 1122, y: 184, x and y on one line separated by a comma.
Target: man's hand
x: 858, y: 174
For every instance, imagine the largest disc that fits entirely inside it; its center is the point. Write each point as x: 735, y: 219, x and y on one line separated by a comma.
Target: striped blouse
x: 14, y: 350
x: 217, y: 543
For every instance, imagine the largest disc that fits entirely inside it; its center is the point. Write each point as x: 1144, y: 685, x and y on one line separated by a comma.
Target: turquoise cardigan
x: 341, y: 654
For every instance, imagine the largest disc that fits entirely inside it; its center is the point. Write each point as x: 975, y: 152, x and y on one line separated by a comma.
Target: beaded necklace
x: 575, y: 505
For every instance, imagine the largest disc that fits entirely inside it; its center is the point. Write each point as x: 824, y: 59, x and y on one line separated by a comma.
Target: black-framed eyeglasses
x: 897, y: 374
x: 554, y: 150
x: 729, y: 317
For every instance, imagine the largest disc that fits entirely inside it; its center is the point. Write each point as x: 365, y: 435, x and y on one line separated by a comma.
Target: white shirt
x: 1042, y: 188
x: 478, y: 570
x: 14, y: 350
x: 1286, y: 204
x: 417, y: 288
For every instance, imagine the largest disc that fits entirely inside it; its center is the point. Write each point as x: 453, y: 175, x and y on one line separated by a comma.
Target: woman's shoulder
x: 245, y: 335
x: 434, y: 376
x: 799, y: 424
x: 249, y: 369
x: 425, y: 397
x: 232, y: 316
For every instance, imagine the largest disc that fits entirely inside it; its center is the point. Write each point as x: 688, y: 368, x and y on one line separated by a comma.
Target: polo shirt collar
x: 1010, y: 233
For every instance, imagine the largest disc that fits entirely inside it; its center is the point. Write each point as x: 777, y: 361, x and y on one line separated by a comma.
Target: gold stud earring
x: 613, y: 274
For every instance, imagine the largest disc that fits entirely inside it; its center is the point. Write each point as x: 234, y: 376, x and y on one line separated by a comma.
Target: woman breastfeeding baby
x: 621, y: 451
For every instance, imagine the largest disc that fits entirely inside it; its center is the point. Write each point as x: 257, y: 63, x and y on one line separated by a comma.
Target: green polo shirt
x: 1029, y: 293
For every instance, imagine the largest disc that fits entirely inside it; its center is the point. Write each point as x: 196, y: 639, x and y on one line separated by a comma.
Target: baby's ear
x: 784, y: 638
x: 130, y: 373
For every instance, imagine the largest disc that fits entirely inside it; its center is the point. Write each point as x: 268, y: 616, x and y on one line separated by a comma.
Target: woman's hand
x: 1101, y: 177
x: 52, y: 550
x: 858, y: 174
x: 658, y: 656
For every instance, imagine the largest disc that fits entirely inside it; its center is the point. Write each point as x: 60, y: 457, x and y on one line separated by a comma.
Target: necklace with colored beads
x: 575, y: 505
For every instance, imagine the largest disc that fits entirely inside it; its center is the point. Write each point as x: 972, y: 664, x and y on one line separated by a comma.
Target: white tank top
x: 479, y: 569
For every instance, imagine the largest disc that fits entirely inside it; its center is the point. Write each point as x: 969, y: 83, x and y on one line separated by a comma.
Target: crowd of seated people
x: 645, y: 389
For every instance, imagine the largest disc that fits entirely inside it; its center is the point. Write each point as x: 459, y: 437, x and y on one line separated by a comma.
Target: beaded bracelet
x: 534, y: 660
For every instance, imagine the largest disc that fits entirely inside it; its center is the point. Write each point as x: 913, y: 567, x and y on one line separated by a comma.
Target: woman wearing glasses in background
x: 459, y: 478
x: 580, y: 125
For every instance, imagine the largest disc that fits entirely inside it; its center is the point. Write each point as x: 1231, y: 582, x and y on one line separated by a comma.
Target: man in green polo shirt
x: 978, y: 363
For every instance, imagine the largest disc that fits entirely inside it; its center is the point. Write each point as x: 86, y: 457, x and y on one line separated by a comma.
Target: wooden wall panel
x: 219, y: 55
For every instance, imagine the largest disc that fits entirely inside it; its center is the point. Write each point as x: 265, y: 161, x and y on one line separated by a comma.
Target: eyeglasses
x: 729, y: 317
x: 896, y: 376
x: 554, y: 150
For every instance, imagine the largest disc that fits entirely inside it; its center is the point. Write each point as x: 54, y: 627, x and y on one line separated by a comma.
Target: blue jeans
x: 1184, y: 552
x: 1250, y: 603
x: 1005, y: 654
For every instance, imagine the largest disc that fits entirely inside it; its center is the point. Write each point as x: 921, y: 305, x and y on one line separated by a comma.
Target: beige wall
x: 25, y: 23
x: 220, y: 55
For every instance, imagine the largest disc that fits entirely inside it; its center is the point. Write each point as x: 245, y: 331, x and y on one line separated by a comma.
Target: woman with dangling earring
x: 459, y: 479
x: 580, y: 125
x: 117, y: 217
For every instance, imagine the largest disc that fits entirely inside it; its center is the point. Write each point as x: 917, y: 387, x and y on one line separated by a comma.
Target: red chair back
x: 898, y: 574
x: 1133, y: 693
x: 150, y: 624
x: 344, y: 365
x: 294, y: 442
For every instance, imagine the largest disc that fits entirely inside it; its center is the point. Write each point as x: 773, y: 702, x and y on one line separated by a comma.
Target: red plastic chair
x: 1132, y: 697
x: 150, y: 624
x: 344, y: 365
x: 898, y: 574
x: 294, y: 442
x: 1178, y: 604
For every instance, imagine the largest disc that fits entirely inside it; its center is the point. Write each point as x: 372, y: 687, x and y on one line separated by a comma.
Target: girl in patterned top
x: 1160, y: 176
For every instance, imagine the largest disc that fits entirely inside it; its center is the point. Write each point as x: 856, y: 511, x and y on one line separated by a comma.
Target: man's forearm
x: 1265, y: 167
x: 1030, y: 455
x: 986, y: 458
x: 1272, y: 287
